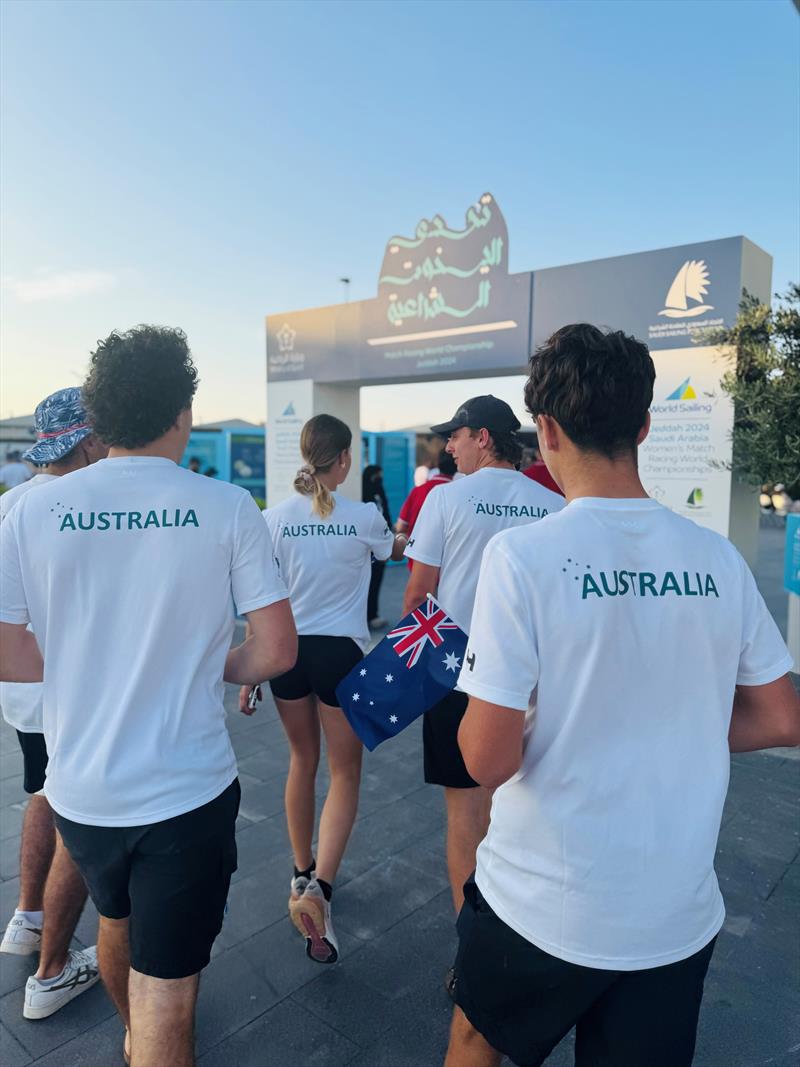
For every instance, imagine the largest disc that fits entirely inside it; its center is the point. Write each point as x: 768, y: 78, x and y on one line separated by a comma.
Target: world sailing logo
x: 685, y: 391
x: 690, y: 283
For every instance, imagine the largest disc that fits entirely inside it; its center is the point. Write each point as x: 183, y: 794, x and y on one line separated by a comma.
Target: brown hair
x: 322, y: 440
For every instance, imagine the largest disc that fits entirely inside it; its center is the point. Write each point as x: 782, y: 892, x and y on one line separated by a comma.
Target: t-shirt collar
x: 609, y: 503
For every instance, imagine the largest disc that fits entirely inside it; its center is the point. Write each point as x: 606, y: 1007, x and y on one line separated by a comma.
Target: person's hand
x: 245, y: 705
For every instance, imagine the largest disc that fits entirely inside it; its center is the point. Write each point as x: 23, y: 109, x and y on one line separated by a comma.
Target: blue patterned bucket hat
x: 61, y: 423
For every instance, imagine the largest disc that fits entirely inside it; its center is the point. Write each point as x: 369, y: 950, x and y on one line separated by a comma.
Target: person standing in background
x: 14, y: 472
x: 373, y: 492
x: 416, y: 498
x: 52, y: 892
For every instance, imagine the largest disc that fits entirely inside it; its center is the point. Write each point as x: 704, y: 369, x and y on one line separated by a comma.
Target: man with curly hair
x: 104, y: 564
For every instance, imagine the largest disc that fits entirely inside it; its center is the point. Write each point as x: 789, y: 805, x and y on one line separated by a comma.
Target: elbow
x: 286, y: 655
x: 490, y: 772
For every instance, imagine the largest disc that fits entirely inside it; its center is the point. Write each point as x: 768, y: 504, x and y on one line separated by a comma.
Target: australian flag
x: 412, y: 668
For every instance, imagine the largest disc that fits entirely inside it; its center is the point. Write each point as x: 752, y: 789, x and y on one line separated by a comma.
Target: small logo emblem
x: 690, y: 283
x: 289, y: 410
x: 685, y: 391
x: 286, y: 336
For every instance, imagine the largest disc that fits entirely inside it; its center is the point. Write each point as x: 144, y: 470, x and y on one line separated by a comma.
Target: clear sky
x: 202, y: 164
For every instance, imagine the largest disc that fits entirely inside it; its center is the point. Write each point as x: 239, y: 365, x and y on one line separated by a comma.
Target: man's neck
x: 155, y: 450
x: 491, y: 461
x: 594, y: 475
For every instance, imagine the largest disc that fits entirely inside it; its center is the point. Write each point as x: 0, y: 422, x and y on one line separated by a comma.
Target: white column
x: 290, y: 405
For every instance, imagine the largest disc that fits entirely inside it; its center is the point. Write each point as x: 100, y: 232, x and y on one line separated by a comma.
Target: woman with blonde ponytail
x: 324, y: 544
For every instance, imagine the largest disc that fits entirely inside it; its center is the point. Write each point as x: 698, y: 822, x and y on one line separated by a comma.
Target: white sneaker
x: 79, y: 974
x: 311, y: 914
x: 21, y: 938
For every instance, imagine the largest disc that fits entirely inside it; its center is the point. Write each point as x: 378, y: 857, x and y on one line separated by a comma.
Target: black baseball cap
x: 481, y: 412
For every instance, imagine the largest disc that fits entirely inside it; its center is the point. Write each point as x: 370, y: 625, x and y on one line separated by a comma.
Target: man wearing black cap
x: 454, y: 526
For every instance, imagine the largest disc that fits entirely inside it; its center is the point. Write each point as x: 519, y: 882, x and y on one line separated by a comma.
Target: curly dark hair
x: 138, y: 383
x: 597, y: 386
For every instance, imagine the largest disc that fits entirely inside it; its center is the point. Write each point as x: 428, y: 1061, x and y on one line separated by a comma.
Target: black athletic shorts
x: 322, y: 662
x: 523, y: 1000
x: 34, y: 760
x: 169, y: 878
x: 444, y: 764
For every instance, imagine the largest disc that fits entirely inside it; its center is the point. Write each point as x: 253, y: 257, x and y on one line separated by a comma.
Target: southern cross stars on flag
x: 412, y: 668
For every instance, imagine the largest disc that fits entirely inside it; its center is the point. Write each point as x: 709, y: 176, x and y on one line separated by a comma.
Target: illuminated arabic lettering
x: 477, y: 217
x: 433, y: 305
x: 432, y: 268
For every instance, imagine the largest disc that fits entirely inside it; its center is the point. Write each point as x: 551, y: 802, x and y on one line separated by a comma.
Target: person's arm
x: 20, y: 657
x: 765, y: 716
x: 423, y: 580
x: 399, y: 547
x: 490, y: 739
x: 401, y: 526
x: 269, y: 647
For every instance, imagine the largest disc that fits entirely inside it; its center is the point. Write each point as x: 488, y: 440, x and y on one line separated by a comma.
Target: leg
x: 341, y: 804
x: 467, y: 1047
x: 64, y: 898
x: 301, y: 723
x: 162, y: 1019
x: 36, y: 853
x: 467, y: 823
x: 113, y: 956
x: 376, y: 577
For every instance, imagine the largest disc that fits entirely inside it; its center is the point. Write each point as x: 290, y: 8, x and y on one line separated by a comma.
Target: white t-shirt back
x: 21, y: 704
x: 458, y: 520
x: 621, y: 630
x: 131, y: 572
x: 326, y: 562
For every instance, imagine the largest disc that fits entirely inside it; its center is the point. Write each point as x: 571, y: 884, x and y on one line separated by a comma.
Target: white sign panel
x: 681, y: 462
x: 289, y: 405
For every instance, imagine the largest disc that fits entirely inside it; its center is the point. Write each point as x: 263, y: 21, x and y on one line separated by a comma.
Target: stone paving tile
x: 99, y: 1047
x: 12, y: 1054
x: 9, y: 858
x: 284, y: 1036
x: 44, y: 1035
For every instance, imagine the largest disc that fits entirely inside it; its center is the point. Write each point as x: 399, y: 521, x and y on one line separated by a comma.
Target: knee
x: 347, y: 774
x: 304, y: 763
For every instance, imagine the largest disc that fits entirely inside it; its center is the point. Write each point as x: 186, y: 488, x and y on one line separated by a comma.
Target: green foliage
x: 764, y: 384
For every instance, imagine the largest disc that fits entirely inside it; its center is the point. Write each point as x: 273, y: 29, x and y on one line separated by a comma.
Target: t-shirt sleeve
x: 763, y: 656
x: 255, y: 578
x: 501, y: 664
x: 13, y: 603
x: 427, y: 538
x: 380, y: 537
x: 405, y: 510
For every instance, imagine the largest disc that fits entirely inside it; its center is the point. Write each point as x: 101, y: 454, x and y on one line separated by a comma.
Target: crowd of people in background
x: 583, y: 780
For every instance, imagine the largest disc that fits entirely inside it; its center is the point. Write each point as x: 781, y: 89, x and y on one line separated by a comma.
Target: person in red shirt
x: 539, y: 473
x: 416, y: 498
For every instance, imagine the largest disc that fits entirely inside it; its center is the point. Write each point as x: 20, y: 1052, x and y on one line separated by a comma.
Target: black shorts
x: 444, y: 764
x: 170, y: 878
x: 523, y: 1000
x: 322, y: 662
x: 34, y: 760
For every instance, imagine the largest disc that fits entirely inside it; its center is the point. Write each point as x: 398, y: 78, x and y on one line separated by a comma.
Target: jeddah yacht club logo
x: 690, y: 284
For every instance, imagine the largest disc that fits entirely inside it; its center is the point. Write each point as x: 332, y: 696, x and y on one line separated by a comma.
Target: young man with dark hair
x: 618, y: 652
x: 142, y: 777
x: 51, y: 891
x: 453, y: 527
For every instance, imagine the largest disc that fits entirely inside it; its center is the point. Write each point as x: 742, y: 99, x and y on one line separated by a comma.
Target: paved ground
x: 263, y: 1004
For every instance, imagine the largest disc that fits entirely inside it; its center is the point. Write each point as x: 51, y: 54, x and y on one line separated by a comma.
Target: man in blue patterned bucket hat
x: 64, y: 443
x: 61, y: 425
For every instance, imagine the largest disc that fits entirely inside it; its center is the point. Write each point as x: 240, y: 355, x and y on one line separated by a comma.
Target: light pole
x: 346, y: 283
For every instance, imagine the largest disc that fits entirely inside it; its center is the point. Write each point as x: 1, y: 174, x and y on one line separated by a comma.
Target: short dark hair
x: 597, y: 385
x: 506, y: 446
x: 138, y: 383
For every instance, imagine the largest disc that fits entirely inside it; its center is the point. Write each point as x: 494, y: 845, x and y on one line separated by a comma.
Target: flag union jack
x: 428, y: 622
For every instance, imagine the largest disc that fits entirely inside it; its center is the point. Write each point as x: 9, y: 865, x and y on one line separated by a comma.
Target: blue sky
x: 203, y: 164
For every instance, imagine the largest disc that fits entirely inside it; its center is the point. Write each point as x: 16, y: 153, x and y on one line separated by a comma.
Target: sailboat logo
x: 695, y: 498
x: 691, y: 283
x: 685, y: 391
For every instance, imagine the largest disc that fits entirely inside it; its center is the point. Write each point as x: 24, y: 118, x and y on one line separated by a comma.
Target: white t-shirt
x: 131, y: 572
x: 14, y: 474
x: 620, y: 629
x: 21, y: 703
x: 457, y: 522
x: 326, y: 562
